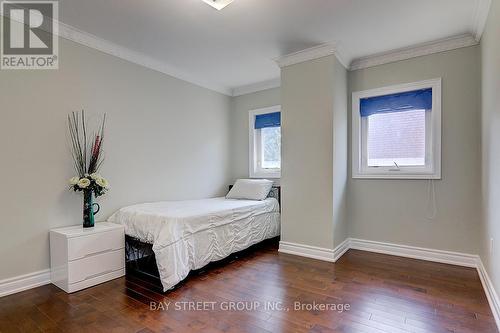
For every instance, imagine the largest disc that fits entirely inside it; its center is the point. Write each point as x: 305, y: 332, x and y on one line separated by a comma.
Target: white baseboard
x: 24, y: 282
x: 490, y: 292
x: 307, y: 251
x: 315, y: 252
x: 341, y: 249
x: 36, y: 279
x: 446, y: 257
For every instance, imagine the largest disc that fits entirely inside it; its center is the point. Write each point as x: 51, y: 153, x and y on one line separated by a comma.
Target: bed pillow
x: 250, y: 189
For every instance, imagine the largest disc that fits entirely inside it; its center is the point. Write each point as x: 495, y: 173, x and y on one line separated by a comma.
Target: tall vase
x: 88, y: 209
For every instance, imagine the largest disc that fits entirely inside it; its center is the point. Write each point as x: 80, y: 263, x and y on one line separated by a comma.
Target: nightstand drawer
x: 81, y: 247
x: 94, y: 266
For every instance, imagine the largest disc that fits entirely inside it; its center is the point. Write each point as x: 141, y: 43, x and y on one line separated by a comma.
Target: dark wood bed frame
x: 141, y: 261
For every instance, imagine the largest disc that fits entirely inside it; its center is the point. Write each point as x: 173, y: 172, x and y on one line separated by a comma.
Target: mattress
x: 187, y: 235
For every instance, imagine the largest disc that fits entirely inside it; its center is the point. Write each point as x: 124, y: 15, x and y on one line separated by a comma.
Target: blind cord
x: 431, y: 200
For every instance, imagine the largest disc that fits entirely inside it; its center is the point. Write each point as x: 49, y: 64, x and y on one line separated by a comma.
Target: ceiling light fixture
x: 218, y: 4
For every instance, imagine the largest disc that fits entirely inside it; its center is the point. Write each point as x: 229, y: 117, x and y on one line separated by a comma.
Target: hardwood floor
x: 385, y: 294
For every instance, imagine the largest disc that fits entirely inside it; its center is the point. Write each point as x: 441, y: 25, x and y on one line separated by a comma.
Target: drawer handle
x: 98, y: 274
x: 96, y: 253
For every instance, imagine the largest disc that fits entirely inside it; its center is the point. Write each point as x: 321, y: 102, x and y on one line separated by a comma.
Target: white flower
x: 83, y: 183
x: 73, y: 181
x: 102, y: 182
x: 95, y: 176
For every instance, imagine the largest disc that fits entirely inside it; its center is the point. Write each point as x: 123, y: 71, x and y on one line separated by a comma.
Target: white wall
x: 396, y: 211
x: 166, y: 139
x: 240, y: 105
x: 490, y: 50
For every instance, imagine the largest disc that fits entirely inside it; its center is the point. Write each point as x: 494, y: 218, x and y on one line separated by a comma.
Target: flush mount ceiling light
x: 218, y: 4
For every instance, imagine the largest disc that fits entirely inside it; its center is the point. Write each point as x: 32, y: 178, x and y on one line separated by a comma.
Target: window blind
x: 268, y: 120
x: 406, y: 101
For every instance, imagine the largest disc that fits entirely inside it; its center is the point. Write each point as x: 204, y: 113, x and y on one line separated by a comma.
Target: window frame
x: 432, y: 168
x: 254, y: 152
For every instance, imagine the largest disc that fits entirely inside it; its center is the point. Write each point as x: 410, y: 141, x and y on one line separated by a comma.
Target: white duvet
x: 187, y: 235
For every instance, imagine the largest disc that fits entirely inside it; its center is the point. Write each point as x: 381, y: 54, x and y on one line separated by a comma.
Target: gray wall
x: 155, y: 151
x: 240, y: 105
x: 166, y: 139
x: 308, y: 94
x: 340, y: 153
x: 490, y: 49
x: 396, y: 211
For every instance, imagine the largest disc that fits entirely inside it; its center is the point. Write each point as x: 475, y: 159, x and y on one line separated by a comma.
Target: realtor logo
x: 29, y: 35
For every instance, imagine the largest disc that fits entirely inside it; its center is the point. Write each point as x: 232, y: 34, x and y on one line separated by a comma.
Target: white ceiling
x: 236, y: 46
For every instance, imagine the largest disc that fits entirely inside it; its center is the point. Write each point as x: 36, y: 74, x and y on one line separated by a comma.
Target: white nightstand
x: 81, y: 258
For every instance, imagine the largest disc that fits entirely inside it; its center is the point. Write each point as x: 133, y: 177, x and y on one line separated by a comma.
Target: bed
x: 166, y: 240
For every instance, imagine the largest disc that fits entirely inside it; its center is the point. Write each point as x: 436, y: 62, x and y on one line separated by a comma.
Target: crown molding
x: 83, y: 38
x: 316, y: 52
x: 320, y: 51
x: 312, y: 53
x: 418, y: 50
x: 255, y: 87
x: 478, y: 23
x: 343, y: 56
x: 480, y: 17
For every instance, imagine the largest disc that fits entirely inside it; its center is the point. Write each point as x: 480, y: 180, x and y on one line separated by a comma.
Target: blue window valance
x: 268, y: 120
x: 410, y: 100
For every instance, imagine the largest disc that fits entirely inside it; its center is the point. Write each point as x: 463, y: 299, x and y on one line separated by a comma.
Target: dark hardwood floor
x: 385, y: 294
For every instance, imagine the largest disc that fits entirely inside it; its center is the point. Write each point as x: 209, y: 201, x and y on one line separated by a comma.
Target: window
x: 396, y: 132
x: 265, y: 142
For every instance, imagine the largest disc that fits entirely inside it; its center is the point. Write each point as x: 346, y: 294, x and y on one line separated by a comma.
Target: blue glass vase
x: 88, y: 209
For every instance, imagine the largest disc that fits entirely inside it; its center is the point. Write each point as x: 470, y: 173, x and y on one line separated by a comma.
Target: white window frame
x: 254, y: 156
x: 432, y: 169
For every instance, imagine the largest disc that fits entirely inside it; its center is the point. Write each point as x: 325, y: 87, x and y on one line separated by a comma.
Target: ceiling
x: 235, y: 47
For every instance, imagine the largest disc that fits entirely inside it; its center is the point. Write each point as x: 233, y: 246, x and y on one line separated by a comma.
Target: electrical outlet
x: 491, y: 245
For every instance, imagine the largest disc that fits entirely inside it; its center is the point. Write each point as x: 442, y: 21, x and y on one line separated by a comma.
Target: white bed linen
x: 187, y: 235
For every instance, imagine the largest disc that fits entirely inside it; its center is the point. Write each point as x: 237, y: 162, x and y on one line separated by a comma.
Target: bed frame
x: 141, y: 261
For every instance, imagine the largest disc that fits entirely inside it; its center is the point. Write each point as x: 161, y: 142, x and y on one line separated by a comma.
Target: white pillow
x: 250, y: 189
